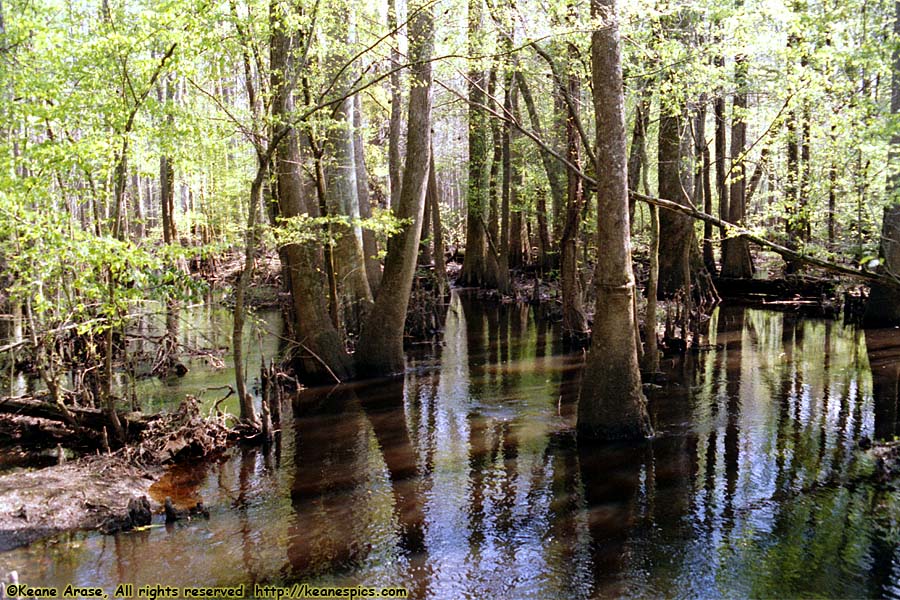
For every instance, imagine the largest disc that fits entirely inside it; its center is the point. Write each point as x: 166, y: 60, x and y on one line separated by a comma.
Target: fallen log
x: 735, y: 230
x: 780, y: 289
x: 91, y: 418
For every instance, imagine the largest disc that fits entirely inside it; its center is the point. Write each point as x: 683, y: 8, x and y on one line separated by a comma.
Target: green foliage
x: 304, y: 229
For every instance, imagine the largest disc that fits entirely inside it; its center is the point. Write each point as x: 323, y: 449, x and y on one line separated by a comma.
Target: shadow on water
x: 464, y: 479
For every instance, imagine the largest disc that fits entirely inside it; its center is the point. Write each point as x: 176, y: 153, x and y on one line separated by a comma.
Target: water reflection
x: 465, y: 479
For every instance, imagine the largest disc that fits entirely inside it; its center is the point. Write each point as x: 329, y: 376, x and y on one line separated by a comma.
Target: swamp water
x: 464, y: 479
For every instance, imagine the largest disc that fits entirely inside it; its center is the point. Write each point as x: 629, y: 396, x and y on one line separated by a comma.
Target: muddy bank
x: 111, y: 492
x: 92, y: 493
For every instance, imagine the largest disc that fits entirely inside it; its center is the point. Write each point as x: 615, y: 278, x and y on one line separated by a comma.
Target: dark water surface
x: 464, y: 479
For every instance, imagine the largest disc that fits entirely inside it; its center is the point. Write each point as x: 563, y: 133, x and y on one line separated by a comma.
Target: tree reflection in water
x: 465, y: 479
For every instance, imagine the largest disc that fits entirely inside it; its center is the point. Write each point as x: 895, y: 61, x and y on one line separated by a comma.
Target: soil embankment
x: 92, y: 493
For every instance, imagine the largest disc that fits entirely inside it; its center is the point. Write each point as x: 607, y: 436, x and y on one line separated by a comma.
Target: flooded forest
x: 449, y: 299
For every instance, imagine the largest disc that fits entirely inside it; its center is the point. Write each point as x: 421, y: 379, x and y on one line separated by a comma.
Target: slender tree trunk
x: 638, y: 140
x: 832, y: 189
x: 796, y: 217
x: 506, y: 188
x: 396, y: 118
x: 709, y: 258
x: 496, y: 184
x: 575, y: 326
x: 440, y: 264
x: 248, y: 412
x: 720, y: 143
x: 480, y: 268
x: 166, y: 92
x: 611, y: 404
x: 651, y: 350
x: 425, y: 247
x: 554, y: 173
x: 380, y: 350
x: 370, y: 246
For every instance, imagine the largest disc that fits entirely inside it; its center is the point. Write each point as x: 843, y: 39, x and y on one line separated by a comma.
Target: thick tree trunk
x: 676, y: 232
x: 380, y: 350
x: 884, y: 302
x: 320, y: 355
x: 736, y: 261
x: 611, y: 404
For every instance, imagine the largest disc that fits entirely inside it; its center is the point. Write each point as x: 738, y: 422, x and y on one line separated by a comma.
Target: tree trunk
x: 709, y: 258
x: 320, y: 356
x: 720, y: 143
x: 554, y: 174
x: 651, y: 350
x: 611, y: 404
x: 638, y: 141
x: 166, y: 92
x: 575, y: 326
x: 736, y: 261
x: 396, y: 119
x: 884, y: 302
x: 676, y: 232
x: 380, y: 350
x: 795, y: 217
x: 440, y: 264
x: 370, y: 246
x: 342, y: 199
x: 480, y: 268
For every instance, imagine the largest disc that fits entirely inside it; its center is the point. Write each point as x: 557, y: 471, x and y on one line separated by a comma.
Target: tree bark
x: 638, y: 141
x: 342, y: 199
x: 440, y: 264
x: 396, y: 119
x: 736, y: 260
x: 575, y: 326
x: 611, y: 404
x: 676, y: 232
x: 380, y: 350
x: 320, y: 355
x: 720, y: 143
x: 167, y: 174
x: 370, y: 246
x: 480, y: 268
x: 884, y: 302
